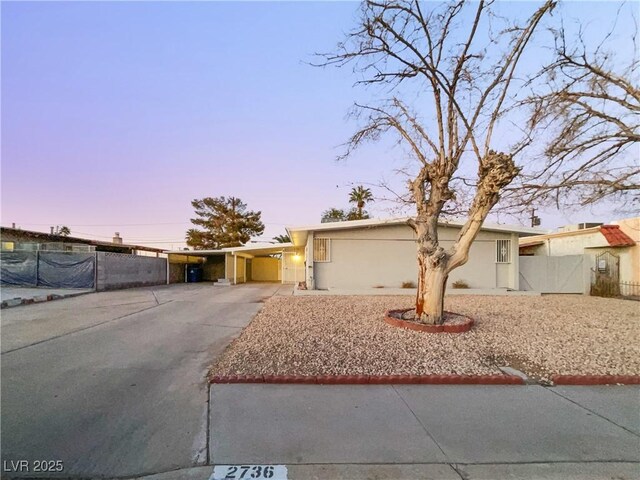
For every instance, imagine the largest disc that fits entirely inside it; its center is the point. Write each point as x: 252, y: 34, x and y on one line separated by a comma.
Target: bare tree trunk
x: 422, y: 287
x: 432, y: 283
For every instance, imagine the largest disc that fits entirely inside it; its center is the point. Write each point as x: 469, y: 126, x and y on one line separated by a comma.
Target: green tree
x: 333, y: 215
x: 360, y: 196
x: 63, y: 231
x: 356, y: 214
x: 282, y: 238
x: 224, y: 222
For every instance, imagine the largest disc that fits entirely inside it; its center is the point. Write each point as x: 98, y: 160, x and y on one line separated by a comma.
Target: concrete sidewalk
x: 428, y: 431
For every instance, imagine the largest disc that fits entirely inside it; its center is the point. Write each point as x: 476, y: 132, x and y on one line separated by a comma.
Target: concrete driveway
x: 113, y: 384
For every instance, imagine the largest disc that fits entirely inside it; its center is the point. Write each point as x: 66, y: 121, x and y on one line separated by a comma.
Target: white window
x: 321, y: 249
x: 503, y: 251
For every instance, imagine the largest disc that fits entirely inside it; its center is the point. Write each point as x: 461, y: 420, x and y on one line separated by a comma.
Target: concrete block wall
x: 213, y: 269
x: 117, y: 270
x: 176, y: 272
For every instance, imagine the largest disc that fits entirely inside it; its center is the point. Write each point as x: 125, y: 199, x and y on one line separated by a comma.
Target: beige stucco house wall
x: 631, y: 227
x: 266, y: 269
x: 236, y: 274
x: 368, y: 254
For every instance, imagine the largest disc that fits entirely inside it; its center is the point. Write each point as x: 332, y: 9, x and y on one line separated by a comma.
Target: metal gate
x: 562, y: 274
x: 605, y: 277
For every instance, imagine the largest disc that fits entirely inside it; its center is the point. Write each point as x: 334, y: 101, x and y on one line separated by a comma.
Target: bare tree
x: 453, y: 52
x: 590, y: 105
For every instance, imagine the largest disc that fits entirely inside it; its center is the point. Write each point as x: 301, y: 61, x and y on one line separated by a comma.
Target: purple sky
x: 116, y: 115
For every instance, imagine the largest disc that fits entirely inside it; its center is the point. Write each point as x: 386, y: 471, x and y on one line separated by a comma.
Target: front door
x: 292, y: 268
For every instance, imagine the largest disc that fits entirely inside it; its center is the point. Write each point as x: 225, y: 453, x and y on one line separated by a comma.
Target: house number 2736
x: 253, y: 472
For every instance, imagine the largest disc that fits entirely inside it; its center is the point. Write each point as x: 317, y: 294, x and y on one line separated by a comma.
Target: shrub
x: 378, y: 286
x: 460, y: 284
x: 408, y: 285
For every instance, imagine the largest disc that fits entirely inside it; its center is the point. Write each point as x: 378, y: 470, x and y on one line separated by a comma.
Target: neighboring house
x: 619, y: 238
x: 37, y: 259
x: 357, y: 255
x: 16, y: 239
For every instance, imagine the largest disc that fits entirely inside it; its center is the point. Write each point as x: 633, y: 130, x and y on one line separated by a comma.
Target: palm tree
x: 282, y: 238
x: 360, y: 196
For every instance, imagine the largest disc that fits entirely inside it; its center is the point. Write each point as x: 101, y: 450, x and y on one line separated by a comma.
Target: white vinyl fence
x: 564, y: 274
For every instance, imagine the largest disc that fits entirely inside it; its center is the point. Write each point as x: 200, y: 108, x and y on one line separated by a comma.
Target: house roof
x: 299, y: 234
x: 250, y: 249
x: 531, y: 244
x: 48, y: 237
x: 616, y: 237
x: 613, y: 235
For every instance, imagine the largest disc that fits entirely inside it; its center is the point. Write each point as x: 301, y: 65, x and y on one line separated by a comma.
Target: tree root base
x: 453, y: 322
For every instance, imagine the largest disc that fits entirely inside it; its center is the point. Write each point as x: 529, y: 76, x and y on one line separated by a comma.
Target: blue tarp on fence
x: 48, y: 269
x: 66, y: 269
x: 19, y: 268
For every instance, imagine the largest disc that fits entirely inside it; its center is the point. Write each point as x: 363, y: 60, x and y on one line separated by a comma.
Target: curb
x: 372, y: 379
x: 16, y: 302
x: 455, y: 328
x: 596, y: 379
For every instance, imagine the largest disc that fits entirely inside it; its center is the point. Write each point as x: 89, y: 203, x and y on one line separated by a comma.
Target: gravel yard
x: 546, y: 335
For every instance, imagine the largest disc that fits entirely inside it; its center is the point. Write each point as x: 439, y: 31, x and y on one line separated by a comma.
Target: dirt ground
x: 325, y: 335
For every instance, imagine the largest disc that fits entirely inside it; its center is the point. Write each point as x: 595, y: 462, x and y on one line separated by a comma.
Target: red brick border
x: 372, y: 379
x: 595, y: 379
x: 455, y: 328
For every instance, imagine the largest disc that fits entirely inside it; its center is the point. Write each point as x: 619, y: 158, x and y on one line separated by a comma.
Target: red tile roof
x: 616, y: 237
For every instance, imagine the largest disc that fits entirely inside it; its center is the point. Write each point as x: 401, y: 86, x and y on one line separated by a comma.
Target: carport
x: 258, y: 262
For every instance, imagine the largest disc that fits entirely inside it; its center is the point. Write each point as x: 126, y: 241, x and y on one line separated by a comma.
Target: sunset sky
x: 116, y: 115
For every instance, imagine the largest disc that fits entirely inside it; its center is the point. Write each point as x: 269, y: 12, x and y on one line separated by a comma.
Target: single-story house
x: 17, y: 239
x: 620, y: 238
x: 359, y: 254
x: 371, y: 253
